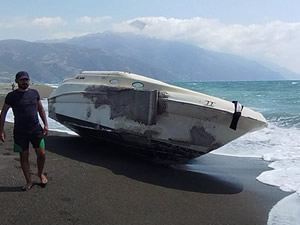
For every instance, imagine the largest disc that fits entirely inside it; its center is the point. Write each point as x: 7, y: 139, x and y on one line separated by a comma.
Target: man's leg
x: 38, y: 143
x: 24, y: 159
x: 21, y: 145
x: 41, y: 158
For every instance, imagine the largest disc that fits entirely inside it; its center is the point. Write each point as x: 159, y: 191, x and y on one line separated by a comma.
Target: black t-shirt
x: 25, y: 108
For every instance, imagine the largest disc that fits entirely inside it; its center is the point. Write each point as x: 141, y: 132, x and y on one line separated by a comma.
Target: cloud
x: 275, y: 41
x: 92, y: 20
x: 48, y: 21
x: 14, y: 23
x: 29, y: 28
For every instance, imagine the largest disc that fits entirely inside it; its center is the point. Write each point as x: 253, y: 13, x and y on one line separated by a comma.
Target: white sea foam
x: 52, y: 85
x: 286, y: 212
x: 280, y: 146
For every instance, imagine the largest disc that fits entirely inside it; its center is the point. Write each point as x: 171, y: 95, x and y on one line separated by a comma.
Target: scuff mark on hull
x: 140, y: 145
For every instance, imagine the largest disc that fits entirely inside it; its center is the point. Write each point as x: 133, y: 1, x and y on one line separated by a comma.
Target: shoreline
x: 96, y: 183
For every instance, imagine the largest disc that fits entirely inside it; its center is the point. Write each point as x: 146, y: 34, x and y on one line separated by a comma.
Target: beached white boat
x: 162, y: 122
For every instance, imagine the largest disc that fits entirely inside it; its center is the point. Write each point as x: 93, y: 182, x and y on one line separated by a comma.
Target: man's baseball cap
x: 21, y: 75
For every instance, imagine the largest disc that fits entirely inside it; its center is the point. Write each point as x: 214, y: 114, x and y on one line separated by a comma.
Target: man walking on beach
x: 26, y: 105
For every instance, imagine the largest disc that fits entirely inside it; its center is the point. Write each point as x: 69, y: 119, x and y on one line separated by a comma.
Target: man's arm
x: 43, y: 116
x: 4, y: 110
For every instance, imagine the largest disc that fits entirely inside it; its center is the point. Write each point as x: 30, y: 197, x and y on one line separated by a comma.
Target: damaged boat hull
x: 158, y: 121
x: 140, y: 145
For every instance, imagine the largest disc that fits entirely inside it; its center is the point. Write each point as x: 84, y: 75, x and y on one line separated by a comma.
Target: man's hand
x: 45, y: 130
x: 2, y: 136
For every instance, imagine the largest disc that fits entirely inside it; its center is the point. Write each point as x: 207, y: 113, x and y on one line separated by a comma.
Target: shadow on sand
x: 18, y: 188
x: 10, y: 189
x: 112, y: 157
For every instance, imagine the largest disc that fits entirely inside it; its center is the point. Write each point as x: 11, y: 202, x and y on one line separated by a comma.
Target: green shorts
x: 22, y: 139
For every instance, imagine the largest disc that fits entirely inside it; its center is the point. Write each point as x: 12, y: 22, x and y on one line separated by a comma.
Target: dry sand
x: 96, y: 183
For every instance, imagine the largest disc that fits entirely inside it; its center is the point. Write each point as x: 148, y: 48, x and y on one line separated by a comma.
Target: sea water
x: 279, y: 143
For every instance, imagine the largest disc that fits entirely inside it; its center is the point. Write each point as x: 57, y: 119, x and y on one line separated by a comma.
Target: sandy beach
x: 44, y: 90
x: 97, y: 183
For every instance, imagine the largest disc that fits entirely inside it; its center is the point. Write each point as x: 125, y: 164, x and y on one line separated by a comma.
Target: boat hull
x: 162, y: 123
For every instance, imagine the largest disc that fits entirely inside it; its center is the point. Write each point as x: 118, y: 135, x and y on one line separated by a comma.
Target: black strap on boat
x: 236, y: 115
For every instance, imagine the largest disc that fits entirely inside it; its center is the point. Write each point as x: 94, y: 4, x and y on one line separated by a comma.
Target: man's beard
x: 23, y: 86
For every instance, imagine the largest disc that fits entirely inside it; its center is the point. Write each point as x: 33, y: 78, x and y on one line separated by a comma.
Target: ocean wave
x: 288, y: 120
x: 267, y: 141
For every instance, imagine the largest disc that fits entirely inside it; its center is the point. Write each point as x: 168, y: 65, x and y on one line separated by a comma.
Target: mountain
x: 186, y: 62
x: 52, y: 61
x: 286, y: 74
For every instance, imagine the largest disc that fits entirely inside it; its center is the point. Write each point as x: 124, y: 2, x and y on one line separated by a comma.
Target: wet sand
x: 96, y: 183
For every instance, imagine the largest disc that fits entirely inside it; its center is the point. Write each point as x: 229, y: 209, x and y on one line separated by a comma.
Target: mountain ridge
x: 52, y: 61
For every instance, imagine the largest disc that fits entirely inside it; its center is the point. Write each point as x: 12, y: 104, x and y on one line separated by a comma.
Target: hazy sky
x: 264, y: 29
